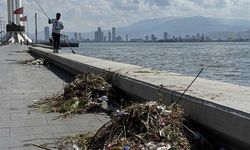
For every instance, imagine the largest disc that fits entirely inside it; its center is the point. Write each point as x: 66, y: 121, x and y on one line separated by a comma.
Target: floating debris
x: 87, y: 93
x: 147, y: 126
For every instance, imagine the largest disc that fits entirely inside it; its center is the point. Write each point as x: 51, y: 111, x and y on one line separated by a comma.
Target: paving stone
x: 4, y: 142
x: 19, y: 86
x: 58, y: 128
x: 5, y: 132
x: 24, y: 141
x: 26, y: 116
x: 23, y: 123
x: 4, y: 117
x: 33, y: 130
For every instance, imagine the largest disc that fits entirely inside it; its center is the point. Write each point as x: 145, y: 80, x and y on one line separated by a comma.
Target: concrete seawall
x: 222, y: 107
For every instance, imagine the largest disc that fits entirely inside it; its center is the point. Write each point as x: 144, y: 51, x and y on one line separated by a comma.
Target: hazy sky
x: 87, y: 15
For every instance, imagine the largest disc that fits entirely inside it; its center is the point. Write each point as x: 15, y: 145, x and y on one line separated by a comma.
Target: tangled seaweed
x: 138, y: 127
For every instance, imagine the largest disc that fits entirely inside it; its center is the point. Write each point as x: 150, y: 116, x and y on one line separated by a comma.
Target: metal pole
x: 18, y: 5
x: 27, y: 27
x: 4, y: 29
x: 1, y: 23
x: 1, y: 31
x: 12, y: 11
x: 36, y: 25
x: 9, y: 10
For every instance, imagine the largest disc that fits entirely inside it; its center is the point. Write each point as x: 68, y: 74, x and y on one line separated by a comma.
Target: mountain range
x: 215, y: 28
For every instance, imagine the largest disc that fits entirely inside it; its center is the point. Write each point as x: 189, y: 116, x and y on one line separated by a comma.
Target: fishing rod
x: 42, y: 9
x: 188, y: 87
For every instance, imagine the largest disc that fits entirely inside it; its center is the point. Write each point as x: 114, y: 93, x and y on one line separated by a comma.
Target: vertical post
x: 12, y: 10
x: 1, y: 22
x: 36, y: 25
x: 18, y: 5
x: 27, y: 27
x: 9, y: 10
x: 4, y: 30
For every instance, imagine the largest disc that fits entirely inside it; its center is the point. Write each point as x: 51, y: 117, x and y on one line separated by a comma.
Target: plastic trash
x: 105, y: 105
x: 103, y: 98
x: 76, y: 147
x: 126, y: 147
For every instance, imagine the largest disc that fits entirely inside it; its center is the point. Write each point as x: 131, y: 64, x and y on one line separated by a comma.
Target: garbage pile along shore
x: 146, y: 126
x: 133, y: 126
x: 39, y: 61
x: 87, y: 93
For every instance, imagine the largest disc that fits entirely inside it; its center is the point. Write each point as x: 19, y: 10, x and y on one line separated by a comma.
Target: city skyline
x: 101, y: 36
x: 126, y: 12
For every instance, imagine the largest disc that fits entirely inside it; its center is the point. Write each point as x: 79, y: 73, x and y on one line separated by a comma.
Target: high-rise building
x: 80, y: 37
x: 147, y: 38
x: 46, y: 33
x: 99, y: 35
x: 109, y: 36
x: 118, y: 39
x: 96, y: 36
x: 113, y: 34
x: 126, y: 38
x: 75, y: 36
x: 165, y: 36
x: 153, y: 38
x: 198, y: 36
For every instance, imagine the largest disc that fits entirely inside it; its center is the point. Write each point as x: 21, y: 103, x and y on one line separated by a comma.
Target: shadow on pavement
x: 61, y: 73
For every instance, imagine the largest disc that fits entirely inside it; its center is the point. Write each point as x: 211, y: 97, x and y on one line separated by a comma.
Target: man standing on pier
x: 56, y: 29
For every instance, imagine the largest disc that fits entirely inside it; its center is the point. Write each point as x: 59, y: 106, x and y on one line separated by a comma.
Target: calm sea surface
x: 229, y: 62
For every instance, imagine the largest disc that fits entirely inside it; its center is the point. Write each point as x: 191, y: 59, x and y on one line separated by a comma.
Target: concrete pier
x: 221, y: 107
x: 19, y: 86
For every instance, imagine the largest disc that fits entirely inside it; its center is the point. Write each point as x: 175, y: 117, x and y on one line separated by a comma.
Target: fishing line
x: 72, y: 50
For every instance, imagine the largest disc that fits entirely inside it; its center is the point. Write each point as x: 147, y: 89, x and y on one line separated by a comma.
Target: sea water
x: 228, y: 62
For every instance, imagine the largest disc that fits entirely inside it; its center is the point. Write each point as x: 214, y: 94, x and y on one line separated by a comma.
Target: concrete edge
x: 227, y: 122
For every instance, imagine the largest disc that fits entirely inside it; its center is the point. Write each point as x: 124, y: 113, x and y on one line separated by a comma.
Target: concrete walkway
x: 19, y: 86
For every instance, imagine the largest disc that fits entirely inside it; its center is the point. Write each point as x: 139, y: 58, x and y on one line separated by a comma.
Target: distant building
x: 153, y: 38
x: 46, y: 33
x: 66, y: 37
x: 136, y: 40
x: 187, y: 36
x: 99, y: 35
x: 113, y: 34
x: 146, y: 38
x: 198, y: 36
x: 118, y: 39
x: 75, y: 37
x: 202, y: 38
x: 165, y: 36
x: 96, y: 36
x: 104, y: 39
x: 109, y: 36
x: 79, y: 37
x: 126, y: 38
x: 194, y: 37
x: 208, y: 39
